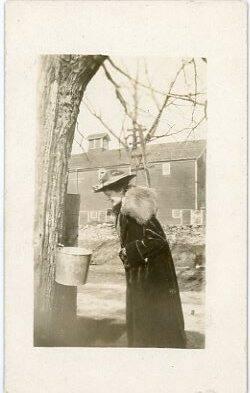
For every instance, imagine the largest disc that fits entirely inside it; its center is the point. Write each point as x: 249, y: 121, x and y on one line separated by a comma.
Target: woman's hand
x: 124, y: 258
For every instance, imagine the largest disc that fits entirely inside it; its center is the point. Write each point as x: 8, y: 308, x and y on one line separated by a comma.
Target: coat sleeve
x: 144, y: 241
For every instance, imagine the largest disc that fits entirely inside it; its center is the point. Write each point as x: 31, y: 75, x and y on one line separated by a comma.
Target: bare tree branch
x: 130, y: 77
x: 193, y: 128
x: 83, y: 150
x: 139, y: 129
x: 195, y: 91
x: 185, y: 76
x: 83, y: 137
x: 79, y: 132
x: 98, y: 117
x: 187, y: 97
x: 151, y: 87
x: 190, y: 129
x: 117, y: 90
x: 133, y: 112
x: 158, y: 117
x: 118, y: 94
x: 122, y: 133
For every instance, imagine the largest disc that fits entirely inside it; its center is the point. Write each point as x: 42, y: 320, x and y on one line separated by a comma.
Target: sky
x: 157, y: 72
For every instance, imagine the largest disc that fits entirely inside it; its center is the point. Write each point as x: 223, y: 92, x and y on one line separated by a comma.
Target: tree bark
x: 63, y: 80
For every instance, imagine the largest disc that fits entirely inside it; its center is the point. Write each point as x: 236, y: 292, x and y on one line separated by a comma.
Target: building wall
x: 176, y: 191
x: 174, y: 182
x: 201, y: 179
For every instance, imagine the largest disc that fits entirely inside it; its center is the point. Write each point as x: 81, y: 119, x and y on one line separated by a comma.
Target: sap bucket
x: 72, y: 265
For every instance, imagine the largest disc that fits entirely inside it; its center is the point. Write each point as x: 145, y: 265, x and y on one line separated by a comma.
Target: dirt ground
x: 101, y: 302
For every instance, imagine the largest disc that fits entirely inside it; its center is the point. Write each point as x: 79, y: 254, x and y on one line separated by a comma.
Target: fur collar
x: 139, y: 203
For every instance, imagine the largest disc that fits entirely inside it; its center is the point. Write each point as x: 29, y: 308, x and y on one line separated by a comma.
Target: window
x: 105, y: 144
x: 166, y: 168
x: 102, y: 215
x: 91, y: 144
x: 97, y: 143
x: 94, y: 215
x: 176, y: 213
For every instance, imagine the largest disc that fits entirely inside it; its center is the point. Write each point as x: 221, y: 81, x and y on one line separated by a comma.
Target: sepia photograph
x: 125, y: 196
x: 120, y: 222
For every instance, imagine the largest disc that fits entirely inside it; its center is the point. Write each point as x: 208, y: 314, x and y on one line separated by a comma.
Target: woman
x: 153, y: 308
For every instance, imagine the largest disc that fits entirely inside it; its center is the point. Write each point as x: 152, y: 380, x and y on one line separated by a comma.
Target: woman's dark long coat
x: 153, y: 307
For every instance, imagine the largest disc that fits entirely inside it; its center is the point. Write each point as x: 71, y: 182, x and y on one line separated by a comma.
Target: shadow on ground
x: 108, y: 333
x: 195, y: 340
x: 99, y: 332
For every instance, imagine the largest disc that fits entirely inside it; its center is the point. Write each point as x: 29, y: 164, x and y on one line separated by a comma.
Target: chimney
x: 99, y: 141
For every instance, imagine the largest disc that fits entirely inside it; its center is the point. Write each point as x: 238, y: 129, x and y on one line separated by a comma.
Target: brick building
x: 177, y: 172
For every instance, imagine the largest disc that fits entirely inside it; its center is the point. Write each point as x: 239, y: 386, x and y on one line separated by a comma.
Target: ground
x: 101, y: 301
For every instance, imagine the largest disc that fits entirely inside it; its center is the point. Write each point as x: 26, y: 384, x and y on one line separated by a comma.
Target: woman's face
x: 114, y: 197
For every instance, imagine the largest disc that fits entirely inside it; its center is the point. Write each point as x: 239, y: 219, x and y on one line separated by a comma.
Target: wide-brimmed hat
x: 108, y: 177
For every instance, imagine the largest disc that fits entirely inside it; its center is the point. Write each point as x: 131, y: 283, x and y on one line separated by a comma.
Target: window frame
x: 92, y: 144
x: 98, y: 143
x: 163, y: 168
x: 174, y: 215
x: 93, y: 215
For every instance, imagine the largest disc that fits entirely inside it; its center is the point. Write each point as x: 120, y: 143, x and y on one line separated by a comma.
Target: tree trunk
x: 144, y: 157
x: 63, y: 79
